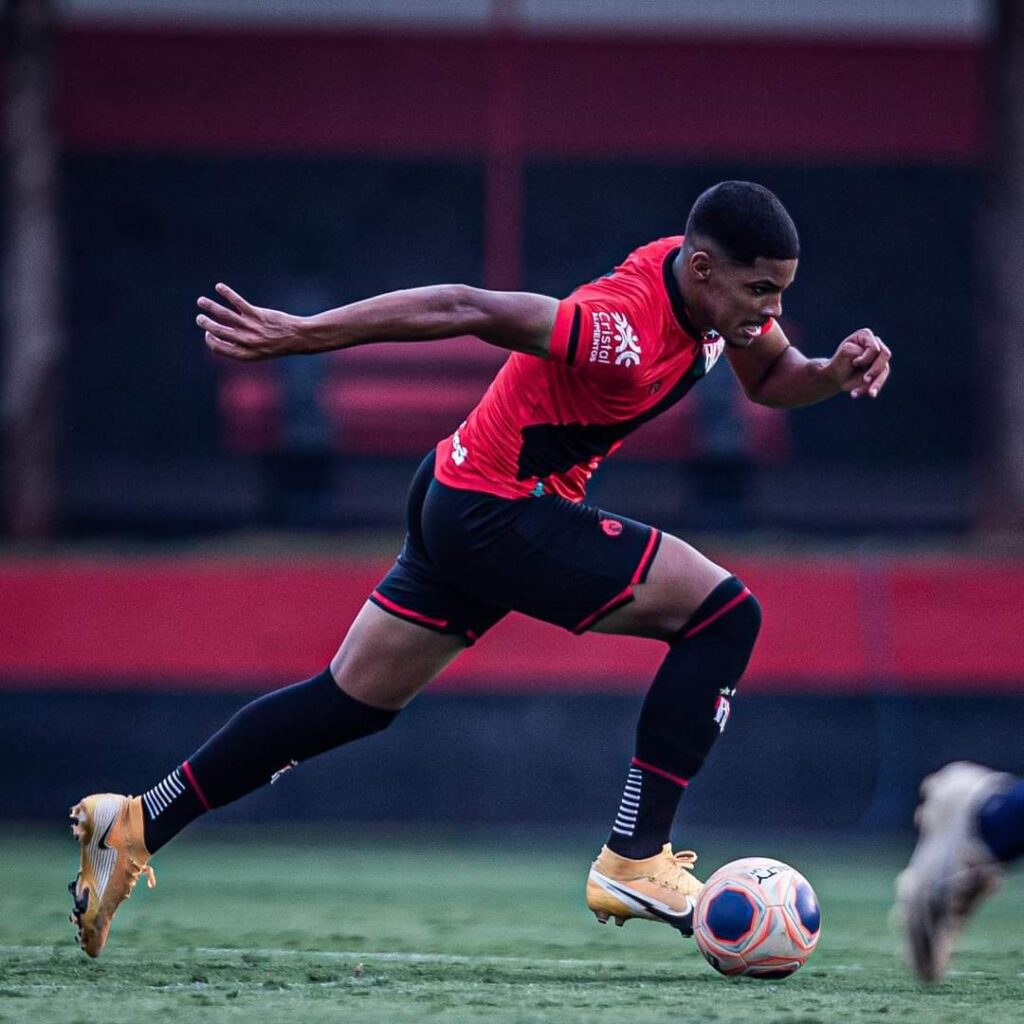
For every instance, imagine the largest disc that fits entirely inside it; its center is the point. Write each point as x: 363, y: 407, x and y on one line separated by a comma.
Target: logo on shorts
x: 612, y: 527
x: 613, y: 340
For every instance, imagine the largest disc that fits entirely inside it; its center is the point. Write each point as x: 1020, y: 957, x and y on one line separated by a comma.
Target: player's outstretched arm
x: 520, y: 321
x: 775, y: 373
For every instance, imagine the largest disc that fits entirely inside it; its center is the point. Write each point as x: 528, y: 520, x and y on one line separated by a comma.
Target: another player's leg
x: 383, y: 662
x: 710, y: 621
x: 971, y: 823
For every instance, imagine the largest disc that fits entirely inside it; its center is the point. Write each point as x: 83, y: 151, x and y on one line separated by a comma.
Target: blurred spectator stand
x: 395, y: 401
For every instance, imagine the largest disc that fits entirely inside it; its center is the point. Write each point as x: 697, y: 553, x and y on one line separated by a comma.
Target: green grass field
x: 410, y: 928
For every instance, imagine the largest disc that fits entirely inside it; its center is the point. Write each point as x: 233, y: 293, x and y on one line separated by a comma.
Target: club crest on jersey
x: 714, y: 345
x: 613, y: 340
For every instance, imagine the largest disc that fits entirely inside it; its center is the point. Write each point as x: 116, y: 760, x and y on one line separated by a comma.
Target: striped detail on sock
x: 625, y: 820
x: 163, y: 794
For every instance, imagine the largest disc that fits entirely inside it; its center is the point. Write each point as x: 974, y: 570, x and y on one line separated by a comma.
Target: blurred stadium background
x: 180, y: 533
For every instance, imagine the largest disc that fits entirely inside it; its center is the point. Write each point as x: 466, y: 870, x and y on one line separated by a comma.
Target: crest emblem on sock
x: 722, y: 711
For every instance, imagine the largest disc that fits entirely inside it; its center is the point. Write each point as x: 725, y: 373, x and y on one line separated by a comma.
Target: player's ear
x: 701, y: 264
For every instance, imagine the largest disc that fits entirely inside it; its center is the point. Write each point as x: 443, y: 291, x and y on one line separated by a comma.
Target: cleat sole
x: 602, y: 916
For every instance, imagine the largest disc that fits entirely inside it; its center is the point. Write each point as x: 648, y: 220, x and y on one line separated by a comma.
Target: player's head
x: 744, y: 221
x: 740, y: 253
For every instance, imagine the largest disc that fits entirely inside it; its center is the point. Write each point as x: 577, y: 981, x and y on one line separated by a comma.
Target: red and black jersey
x: 623, y: 350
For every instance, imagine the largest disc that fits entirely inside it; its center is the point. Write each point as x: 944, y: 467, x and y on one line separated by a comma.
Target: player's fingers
x: 878, y: 364
x: 220, y: 313
x: 870, y: 348
x: 224, y: 331
x: 223, y: 347
x: 234, y: 298
x: 881, y: 358
x: 872, y: 388
x: 879, y: 382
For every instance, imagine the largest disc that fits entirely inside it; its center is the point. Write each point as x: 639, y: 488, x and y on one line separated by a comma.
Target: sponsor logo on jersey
x: 612, y: 527
x: 459, y: 452
x: 613, y: 340
x: 714, y: 345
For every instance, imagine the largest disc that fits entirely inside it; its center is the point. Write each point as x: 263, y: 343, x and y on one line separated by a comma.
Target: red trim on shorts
x: 407, y: 613
x: 648, y: 557
x: 717, y: 615
x: 192, y: 781
x: 625, y: 596
x: 677, y: 779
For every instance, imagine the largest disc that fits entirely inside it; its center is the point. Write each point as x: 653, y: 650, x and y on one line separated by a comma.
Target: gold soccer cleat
x: 659, y: 888
x: 108, y: 827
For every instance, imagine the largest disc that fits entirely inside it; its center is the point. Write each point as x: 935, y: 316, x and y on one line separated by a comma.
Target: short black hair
x: 746, y: 221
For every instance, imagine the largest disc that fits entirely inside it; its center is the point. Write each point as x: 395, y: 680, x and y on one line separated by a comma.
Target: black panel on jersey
x: 556, y: 447
x: 549, y: 448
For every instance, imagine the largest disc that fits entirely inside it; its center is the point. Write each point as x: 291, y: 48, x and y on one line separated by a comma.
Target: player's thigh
x: 679, y: 580
x: 385, y: 660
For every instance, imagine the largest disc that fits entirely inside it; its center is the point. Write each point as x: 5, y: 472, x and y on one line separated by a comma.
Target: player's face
x: 737, y: 300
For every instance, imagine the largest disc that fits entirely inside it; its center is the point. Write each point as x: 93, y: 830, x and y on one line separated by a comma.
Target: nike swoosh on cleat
x: 104, y: 858
x: 682, y: 920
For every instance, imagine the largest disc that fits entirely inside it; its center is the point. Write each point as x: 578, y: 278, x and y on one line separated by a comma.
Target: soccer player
x: 971, y: 822
x: 497, y: 521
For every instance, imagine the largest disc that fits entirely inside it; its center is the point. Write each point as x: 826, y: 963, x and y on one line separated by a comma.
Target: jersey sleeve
x: 594, y: 331
x: 565, y: 334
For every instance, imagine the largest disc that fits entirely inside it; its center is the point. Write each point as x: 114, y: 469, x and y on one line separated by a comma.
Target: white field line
x: 357, y: 956
x: 423, y: 958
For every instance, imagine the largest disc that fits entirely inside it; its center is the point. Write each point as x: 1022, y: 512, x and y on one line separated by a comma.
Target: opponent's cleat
x: 951, y: 870
x: 108, y: 827
x: 658, y: 888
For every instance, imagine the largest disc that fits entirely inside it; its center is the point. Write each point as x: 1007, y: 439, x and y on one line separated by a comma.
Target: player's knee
x: 731, y: 613
x: 748, y: 616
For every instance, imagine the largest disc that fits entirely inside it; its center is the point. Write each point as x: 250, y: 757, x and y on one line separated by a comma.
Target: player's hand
x: 241, y: 330
x: 860, y: 365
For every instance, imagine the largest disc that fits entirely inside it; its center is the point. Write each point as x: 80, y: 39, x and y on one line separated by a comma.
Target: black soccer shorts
x: 469, y: 558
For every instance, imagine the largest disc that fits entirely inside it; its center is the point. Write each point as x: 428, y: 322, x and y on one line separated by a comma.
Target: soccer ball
x: 757, y: 917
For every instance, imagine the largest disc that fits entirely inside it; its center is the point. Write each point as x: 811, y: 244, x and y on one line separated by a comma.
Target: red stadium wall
x: 831, y: 626
x: 417, y: 93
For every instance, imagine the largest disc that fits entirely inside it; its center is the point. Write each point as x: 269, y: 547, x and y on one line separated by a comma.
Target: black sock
x: 168, y: 807
x: 268, y: 736
x: 683, y: 714
x: 648, y: 806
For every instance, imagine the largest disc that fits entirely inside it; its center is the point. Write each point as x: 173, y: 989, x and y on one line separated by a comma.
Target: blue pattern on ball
x: 807, y: 908
x: 730, y: 915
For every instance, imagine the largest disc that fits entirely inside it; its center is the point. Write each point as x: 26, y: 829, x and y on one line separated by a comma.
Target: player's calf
x: 119, y: 834
x: 685, y: 711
